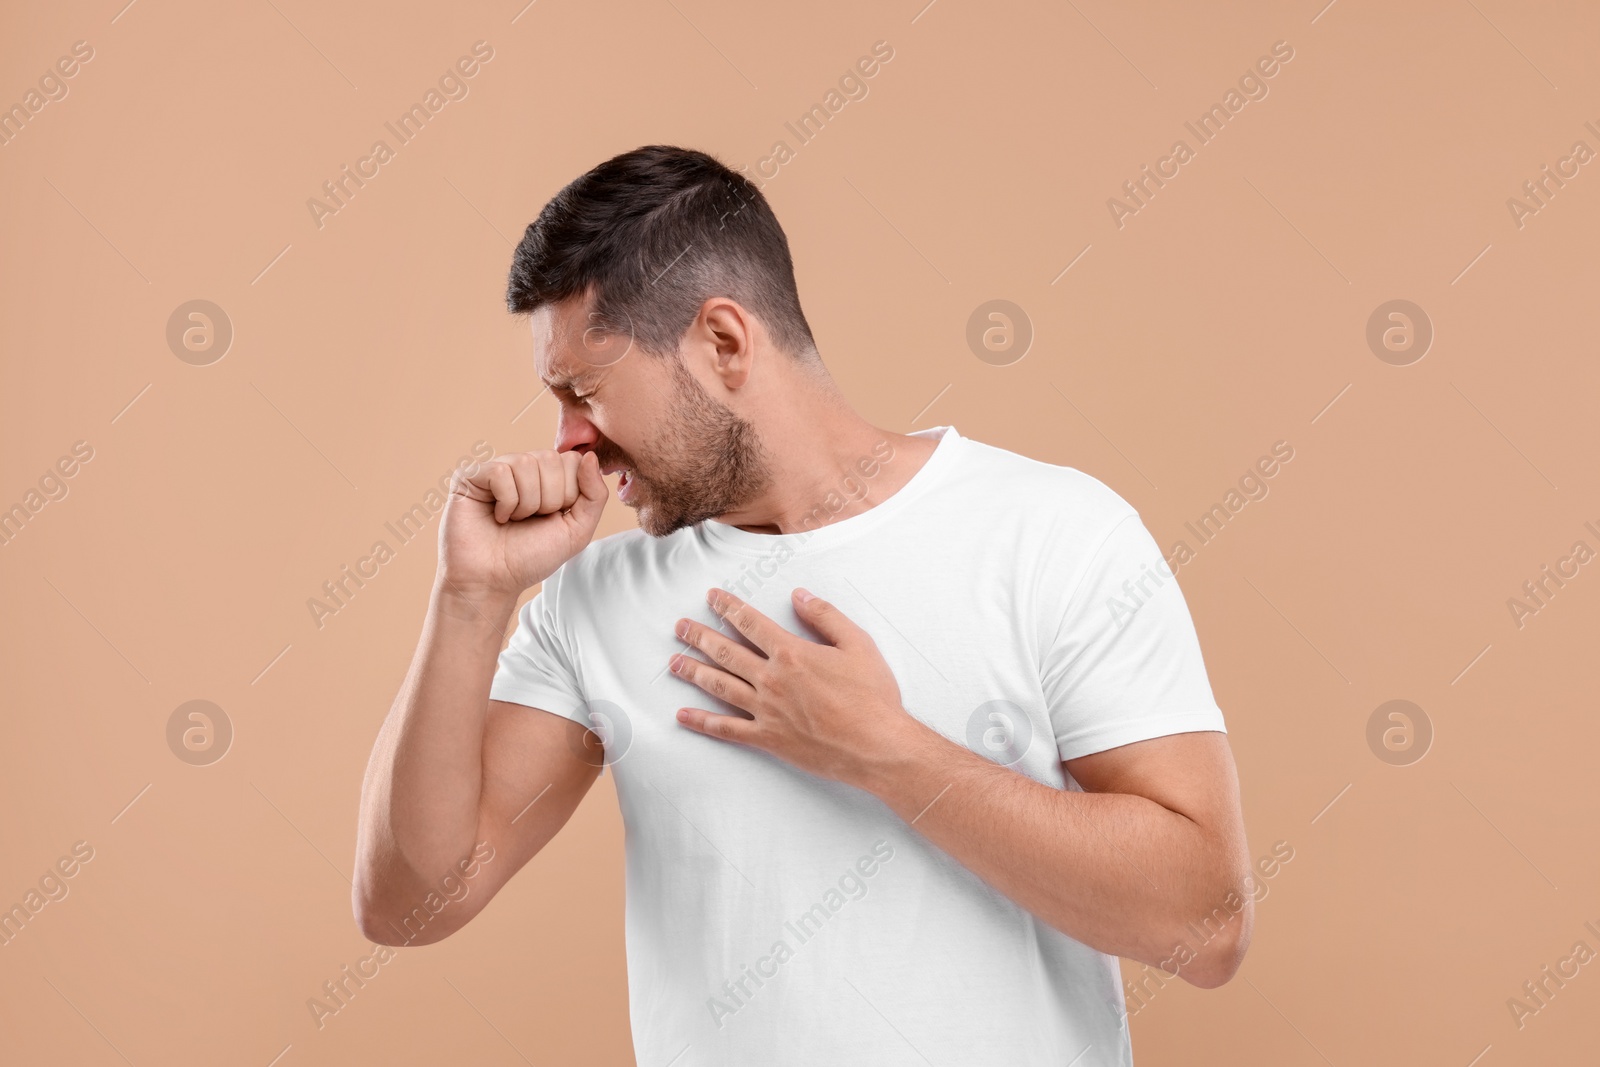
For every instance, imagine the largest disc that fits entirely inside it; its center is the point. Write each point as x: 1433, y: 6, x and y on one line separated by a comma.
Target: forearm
x: 1115, y: 871
x: 420, y: 797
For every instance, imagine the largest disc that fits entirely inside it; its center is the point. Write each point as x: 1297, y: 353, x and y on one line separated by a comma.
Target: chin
x: 655, y: 524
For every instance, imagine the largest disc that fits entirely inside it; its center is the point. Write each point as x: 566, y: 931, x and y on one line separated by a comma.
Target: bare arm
x: 1155, y: 842
x: 450, y: 772
x: 445, y: 806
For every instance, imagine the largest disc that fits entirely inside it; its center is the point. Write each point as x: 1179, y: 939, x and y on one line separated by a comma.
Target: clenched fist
x: 515, y: 519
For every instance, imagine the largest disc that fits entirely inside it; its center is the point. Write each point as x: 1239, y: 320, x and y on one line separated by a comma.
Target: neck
x: 826, y: 463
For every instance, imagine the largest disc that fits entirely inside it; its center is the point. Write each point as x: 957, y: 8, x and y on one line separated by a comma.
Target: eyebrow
x: 567, y: 381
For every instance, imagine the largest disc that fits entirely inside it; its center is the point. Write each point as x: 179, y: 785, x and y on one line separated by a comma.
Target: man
x: 911, y: 734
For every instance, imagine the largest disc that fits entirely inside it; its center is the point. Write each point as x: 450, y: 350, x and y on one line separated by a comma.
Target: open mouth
x: 624, y: 482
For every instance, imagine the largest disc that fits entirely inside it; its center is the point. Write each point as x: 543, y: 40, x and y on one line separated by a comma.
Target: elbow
x: 392, y: 906
x: 384, y: 923
x: 381, y: 928
x: 1216, y: 966
x: 374, y: 925
x: 1220, y: 958
x: 377, y: 901
x: 377, y: 930
x: 375, y: 921
x: 1216, y: 941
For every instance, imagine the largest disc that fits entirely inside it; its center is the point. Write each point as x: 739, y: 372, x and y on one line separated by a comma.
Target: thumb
x: 826, y: 619
x: 592, y: 493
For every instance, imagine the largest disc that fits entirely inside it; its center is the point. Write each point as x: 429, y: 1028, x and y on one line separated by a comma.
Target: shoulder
x: 1046, y: 493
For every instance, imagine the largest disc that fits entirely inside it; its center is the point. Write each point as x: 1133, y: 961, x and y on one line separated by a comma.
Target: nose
x: 574, y: 432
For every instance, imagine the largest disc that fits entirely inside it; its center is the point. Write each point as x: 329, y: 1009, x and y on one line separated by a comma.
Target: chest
x: 961, y: 641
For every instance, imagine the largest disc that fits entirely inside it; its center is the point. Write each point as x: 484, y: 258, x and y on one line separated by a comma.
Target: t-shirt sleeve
x: 1120, y: 662
x: 536, y: 667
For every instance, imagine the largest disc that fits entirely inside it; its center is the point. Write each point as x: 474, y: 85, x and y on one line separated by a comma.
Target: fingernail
x: 683, y: 628
x: 804, y: 596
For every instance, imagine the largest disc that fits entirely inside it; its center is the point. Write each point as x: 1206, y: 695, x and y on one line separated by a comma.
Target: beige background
x: 369, y: 354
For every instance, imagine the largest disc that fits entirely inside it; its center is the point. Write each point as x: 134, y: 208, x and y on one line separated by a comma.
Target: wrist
x: 904, y: 752
x: 475, y: 606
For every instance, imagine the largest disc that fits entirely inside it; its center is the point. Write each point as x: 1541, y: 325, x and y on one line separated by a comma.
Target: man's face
x: 684, y: 455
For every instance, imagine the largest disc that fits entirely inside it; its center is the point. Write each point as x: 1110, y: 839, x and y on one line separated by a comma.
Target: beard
x: 705, y: 461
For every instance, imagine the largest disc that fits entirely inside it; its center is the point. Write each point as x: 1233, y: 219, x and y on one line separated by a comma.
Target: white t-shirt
x: 776, y: 918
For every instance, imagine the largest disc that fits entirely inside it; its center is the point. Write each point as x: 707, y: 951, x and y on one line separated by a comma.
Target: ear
x: 730, y: 334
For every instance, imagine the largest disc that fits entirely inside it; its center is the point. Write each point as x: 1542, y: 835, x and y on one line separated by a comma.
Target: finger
x: 828, y: 620
x: 762, y: 631
x: 552, y: 483
x: 570, y: 462
x: 718, y: 683
x: 722, y: 727
x: 473, y: 483
x: 525, y: 472
x: 729, y: 655
x: 496, y: 483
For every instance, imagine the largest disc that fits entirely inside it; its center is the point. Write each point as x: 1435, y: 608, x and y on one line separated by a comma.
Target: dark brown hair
x: 653, y: 233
